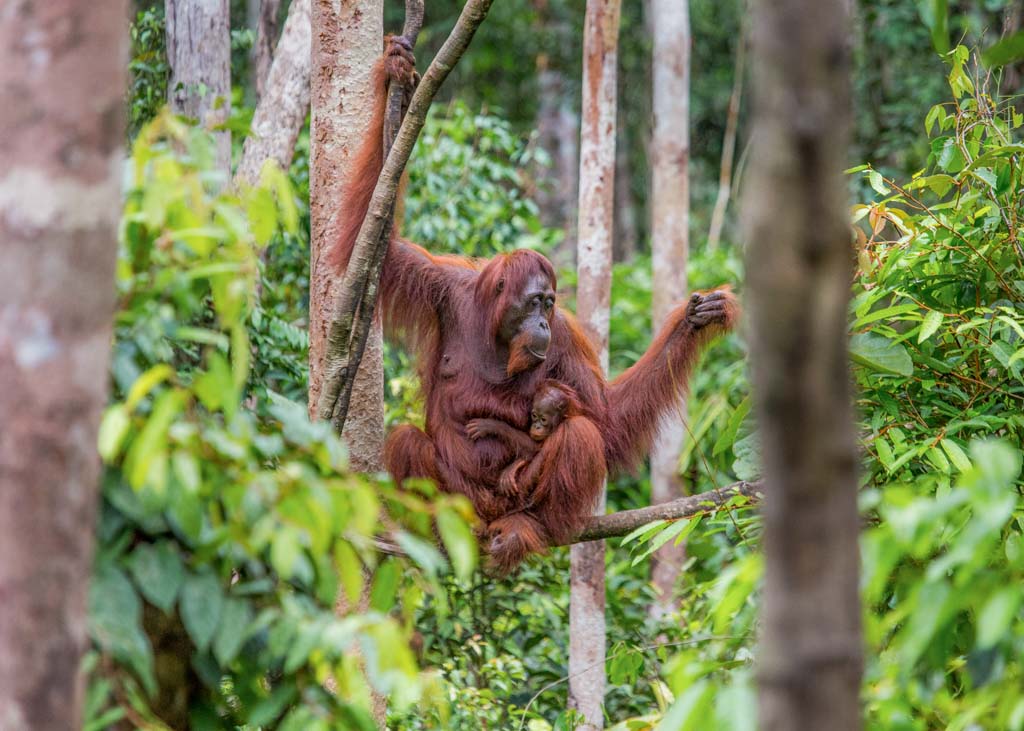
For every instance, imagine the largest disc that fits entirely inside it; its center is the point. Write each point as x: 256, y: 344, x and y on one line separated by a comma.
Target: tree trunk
x: 557, y: 133
x: 624, y: 246
x: 266, y: 39
x: 670, y: 242
x: 347, y: 40
x: 60, y: 143
x: 732, y: 120
x: 594, y: 257
x: 284, y: 102
x: 799, y: 268
x: 199, y: 54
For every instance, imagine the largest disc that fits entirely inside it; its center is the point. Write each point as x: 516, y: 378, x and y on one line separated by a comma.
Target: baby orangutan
x: 550, y: 405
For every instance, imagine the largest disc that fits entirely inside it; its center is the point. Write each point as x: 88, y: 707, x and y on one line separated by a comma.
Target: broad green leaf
x: 158, y: 572
x: 956, y: 455
x: 459, y: 541
x: 350, y: 570
x: 202, y: 602
x: 1005, y: 52
x: 728, y: 435
x: 385, y: 585
x: 115, y: 623
x: 997, y: 615
x: 878, y: 183
x: 691, y: 709
x: 931, y: 323
x: 881, y: 354
x: 113, y: 429
x: 146, y: 383
x: 234, y: 627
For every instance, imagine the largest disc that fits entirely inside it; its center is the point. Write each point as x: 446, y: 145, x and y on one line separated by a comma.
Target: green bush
x: 225, y: 538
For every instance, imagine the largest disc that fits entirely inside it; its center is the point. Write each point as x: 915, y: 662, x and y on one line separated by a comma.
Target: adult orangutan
x: 487, y: 334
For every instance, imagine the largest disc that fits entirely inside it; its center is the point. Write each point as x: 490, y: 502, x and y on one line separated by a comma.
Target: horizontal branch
x: 626, y: 521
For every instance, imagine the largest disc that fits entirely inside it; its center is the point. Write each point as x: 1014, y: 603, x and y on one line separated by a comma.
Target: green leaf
x: 997, y: 615
x: 236, y: 617
x: 956, y: 455
x: 426, y: 556
x: 878, y: 183
x: 158, y: 572
x: 146, y: 383
x: 931, y: 323
x: 1006, y: 51
x: 115, y: 623
x: 202, y: 602
x: 113, y: 429
x: 459, y: 541
x: 881, y: 354
x: 728, y: 435
x: 285, y: 549
x: 385, y: 585
x: 690, y: 711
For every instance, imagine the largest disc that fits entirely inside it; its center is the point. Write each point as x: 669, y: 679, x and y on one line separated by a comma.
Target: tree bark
x: 60, y: 142
x: 799, y: 268
x: 199, y: 54
x: 557, y: 133
x: 284, y: 103
x: 594, y: 266
x: 670, y: 243
x: 346, y: 42
x: 266, y: 38
x: 732, y: 120
x: 625, y: 245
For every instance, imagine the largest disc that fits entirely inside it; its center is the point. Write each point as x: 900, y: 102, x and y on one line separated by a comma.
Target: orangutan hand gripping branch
x: 487, y: 335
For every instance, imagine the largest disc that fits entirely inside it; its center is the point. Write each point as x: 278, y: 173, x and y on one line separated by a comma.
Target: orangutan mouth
x: 535, y: 354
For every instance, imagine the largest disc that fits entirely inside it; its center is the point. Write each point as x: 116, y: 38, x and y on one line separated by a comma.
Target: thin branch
x: 362, y: 277
x: 728, y: 145
x: 624, y: 522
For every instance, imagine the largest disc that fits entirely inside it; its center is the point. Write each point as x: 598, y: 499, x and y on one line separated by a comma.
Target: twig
x: 361, y: 281
x: 728, y: 145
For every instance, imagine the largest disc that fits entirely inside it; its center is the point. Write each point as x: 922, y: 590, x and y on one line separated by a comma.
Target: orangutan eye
x: 549, y: 303
x: 501, y: 286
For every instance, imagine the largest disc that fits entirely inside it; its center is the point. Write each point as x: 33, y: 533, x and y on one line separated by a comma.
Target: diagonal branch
x: 357, y: 297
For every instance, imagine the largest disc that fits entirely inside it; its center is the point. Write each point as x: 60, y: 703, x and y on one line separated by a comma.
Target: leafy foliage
x: 225, y: 537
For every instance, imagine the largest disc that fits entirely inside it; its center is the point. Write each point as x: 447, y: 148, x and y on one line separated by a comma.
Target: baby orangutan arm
x: 518, y: 440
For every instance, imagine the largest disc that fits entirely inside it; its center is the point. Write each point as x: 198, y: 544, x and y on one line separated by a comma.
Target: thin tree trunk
x: 266, y: 39
x: 347, y: 40
x: 594, y: 257
x: 199, y: 54
x: 558, y: 133
x: 799, y: 268
x: 670, y: 242
x: 283, y: 106
x: 60, y: 144
x: 624, y: 246
x: 732, y: 120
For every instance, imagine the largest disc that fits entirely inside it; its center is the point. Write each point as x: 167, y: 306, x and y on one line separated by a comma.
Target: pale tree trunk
x: 266, y: 38
x: 60, y: 146
x: 558, y: 133
x: 594, y: 267
x: 624, y: 245
x: 347, y: 40
x: 284, y: 103
x: 670, y: 243
x: 199, y: 54
x: 799, y: 268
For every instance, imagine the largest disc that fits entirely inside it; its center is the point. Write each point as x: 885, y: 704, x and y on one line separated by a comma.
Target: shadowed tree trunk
x: 199, y: 54
x: 670, y: 221
x: 284, y: 103
x: 60, y: 145
x: 557, y: 133
x: 624, y: 246
x: 799, y: 268
x: 594, y: 266
x: 266, y: 39
x: 347, y: 40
